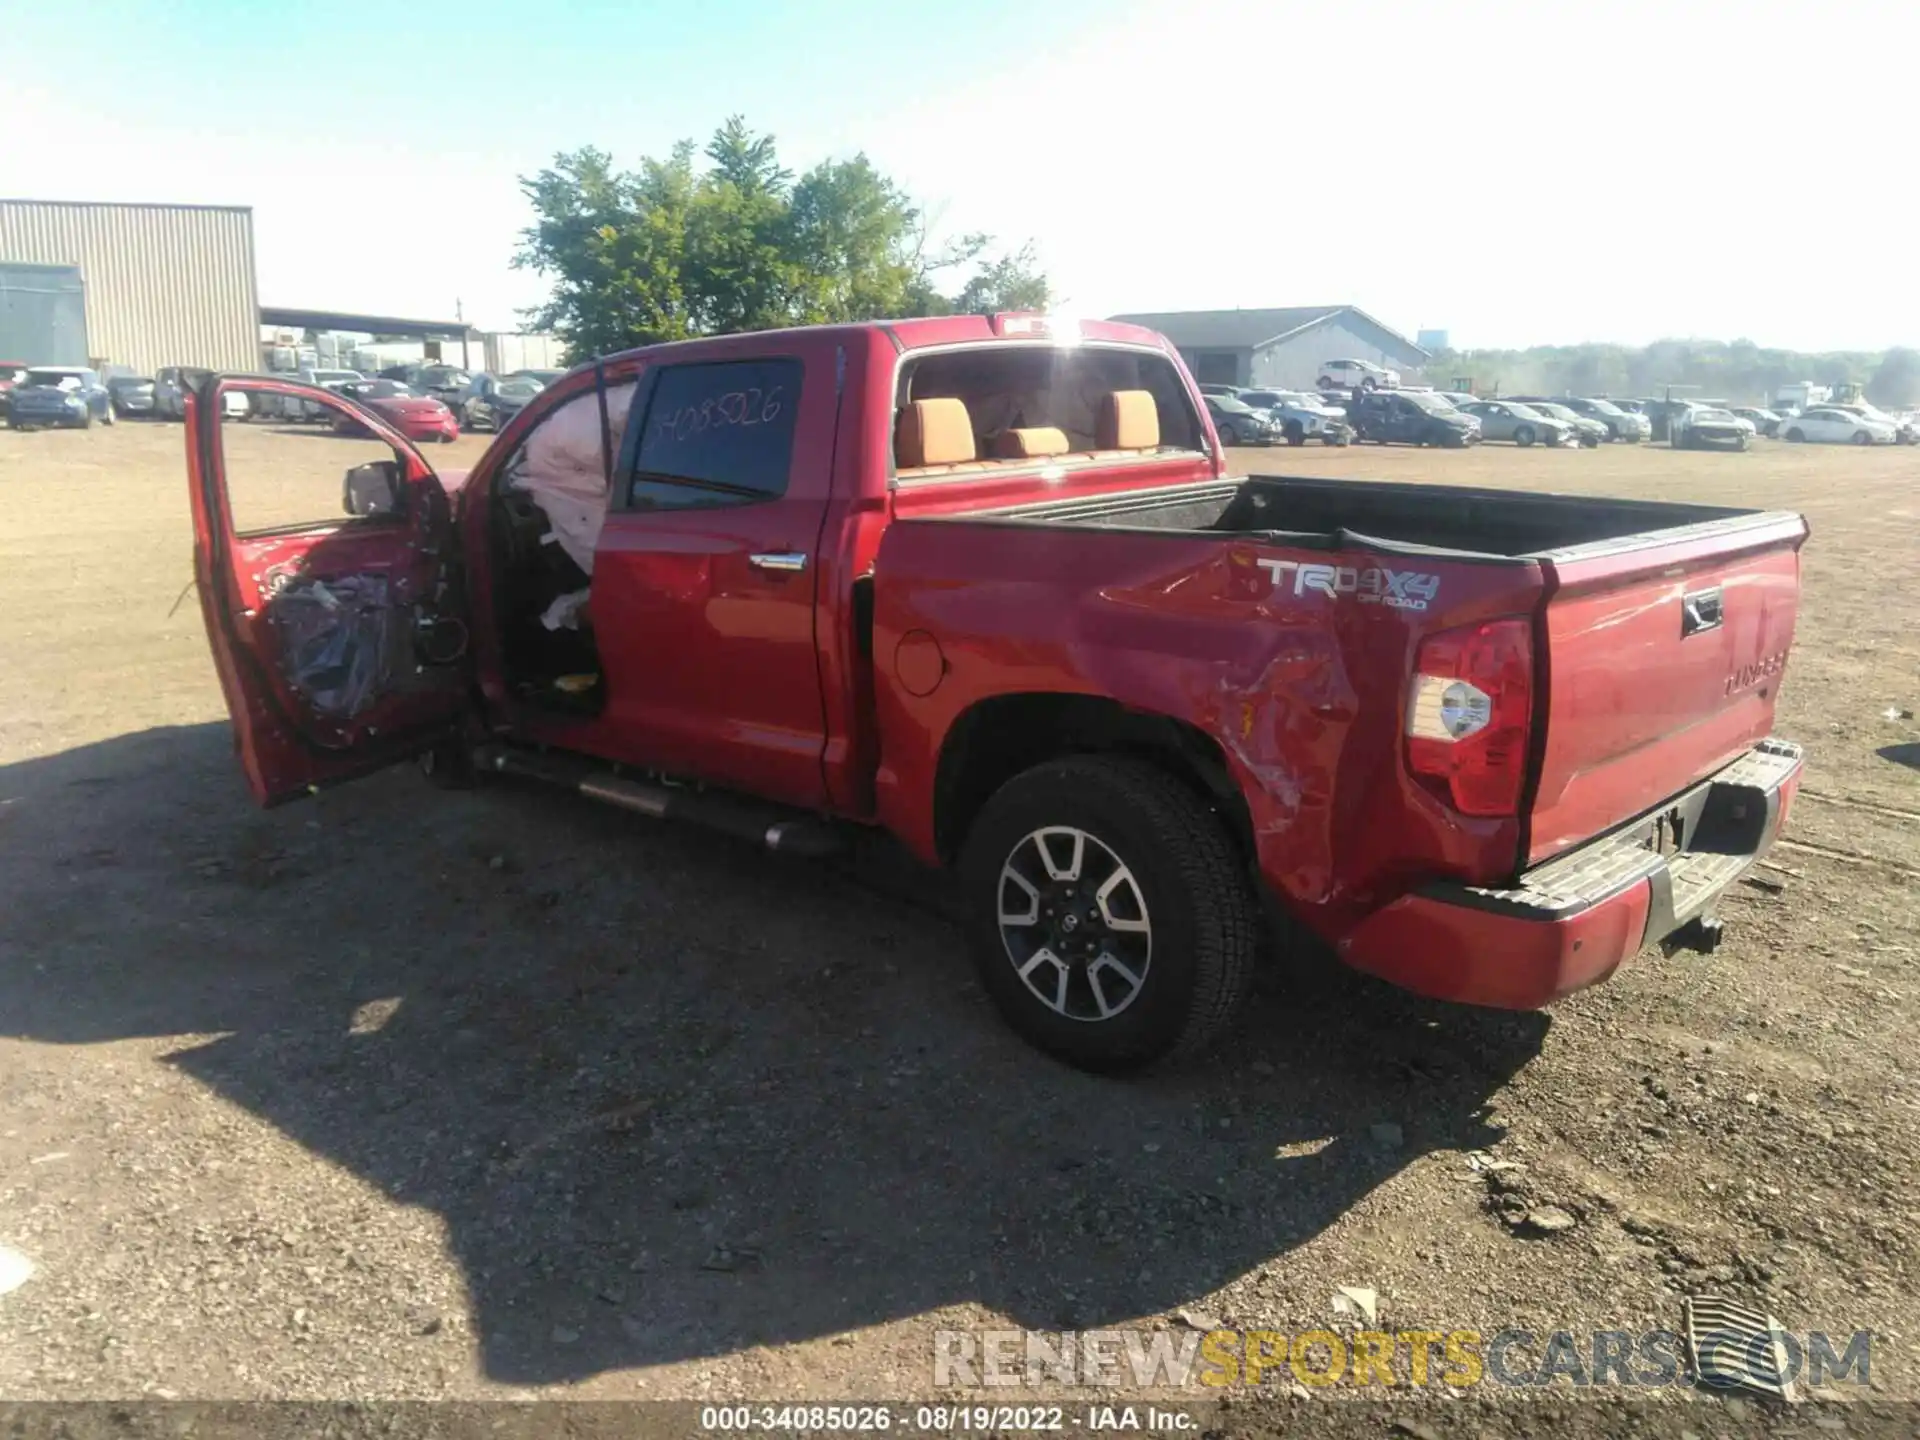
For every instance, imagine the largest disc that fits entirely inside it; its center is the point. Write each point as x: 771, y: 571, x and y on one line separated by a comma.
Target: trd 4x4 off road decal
x: 1375, y: 585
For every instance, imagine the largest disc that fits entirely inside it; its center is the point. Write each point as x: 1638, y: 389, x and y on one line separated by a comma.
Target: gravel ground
x: 404, y: 1094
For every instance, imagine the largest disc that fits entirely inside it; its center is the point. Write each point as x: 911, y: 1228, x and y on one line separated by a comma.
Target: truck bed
x: 1659, y: 631
x: 1455, y: 519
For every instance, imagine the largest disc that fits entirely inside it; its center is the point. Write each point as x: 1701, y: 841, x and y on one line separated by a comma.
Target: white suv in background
x: 1357, y: 375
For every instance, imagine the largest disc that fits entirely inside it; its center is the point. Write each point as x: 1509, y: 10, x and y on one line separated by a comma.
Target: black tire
x: 1590, y: 440
x: 1369, y: 383
x: 1324, y: 383
x: 1296, y: 433
x: 1524, y: 435
x: 1192, y: 890
x: 1797, y: 436
x: 1861, y: 437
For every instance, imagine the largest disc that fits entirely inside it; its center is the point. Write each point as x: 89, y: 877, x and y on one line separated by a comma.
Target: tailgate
x: 1664, y: 655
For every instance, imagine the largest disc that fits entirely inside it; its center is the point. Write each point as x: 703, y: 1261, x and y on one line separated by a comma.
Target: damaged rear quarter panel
x: 1303, y: 691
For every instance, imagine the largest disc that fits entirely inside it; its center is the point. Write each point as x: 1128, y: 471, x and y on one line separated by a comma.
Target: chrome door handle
x: 789, y: 561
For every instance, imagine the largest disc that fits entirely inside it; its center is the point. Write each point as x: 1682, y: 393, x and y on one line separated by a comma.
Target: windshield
x: 379, y: 390
x: 440, y: 377
x: 1427, y: 401
x: 1228, y: 404
x: 1604, y: 407
x: 1700, y: 415
x: 128, y: 382
x: 518, y: 389
x: 63, y: 379
x: 1557, y: 411
x: 1525, y: 412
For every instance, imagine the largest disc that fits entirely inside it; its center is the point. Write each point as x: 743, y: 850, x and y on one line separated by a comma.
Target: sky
x: 1514, y: 174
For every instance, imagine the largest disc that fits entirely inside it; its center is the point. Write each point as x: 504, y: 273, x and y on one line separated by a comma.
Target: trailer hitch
x: 1700, y: 935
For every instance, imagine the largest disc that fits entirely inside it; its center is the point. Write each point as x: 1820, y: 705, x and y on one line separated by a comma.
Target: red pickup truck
x: 987, y: 583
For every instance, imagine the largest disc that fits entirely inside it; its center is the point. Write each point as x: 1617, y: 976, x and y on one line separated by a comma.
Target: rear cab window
x: 1027, y: 404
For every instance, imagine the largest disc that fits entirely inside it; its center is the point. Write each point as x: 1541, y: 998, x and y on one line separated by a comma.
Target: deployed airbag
x: 563, y: 469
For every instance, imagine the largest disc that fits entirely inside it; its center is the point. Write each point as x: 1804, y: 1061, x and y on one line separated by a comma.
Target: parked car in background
x: 59, y: 396
x: 1510, y: 420
x: 1621, y: 424
x: 1301, y: 417
x: 1220, y: 390
x: 1589, y: 432
x: 170, y: 383
x: 1764, y: 422
x: 170, y: 386
x: 1456, y: 398
x: 12, y: 372
x: 131, y: 395
x: 291, y: 407
x: 491, y: 401
x: 1238, y: 423
x: 1357, y: 375
x: 445, y: 383
x: 545, y: 377
x: 1708, y: 427
x: 418, y: 417
x: 1825, y: 425
x: 1904, y: 432
x: 1410, y: 418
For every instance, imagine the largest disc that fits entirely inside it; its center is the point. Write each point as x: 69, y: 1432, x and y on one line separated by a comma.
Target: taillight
x: 1469, y: 712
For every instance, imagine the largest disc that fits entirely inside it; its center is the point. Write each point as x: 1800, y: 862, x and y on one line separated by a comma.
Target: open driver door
x: 325, y: 557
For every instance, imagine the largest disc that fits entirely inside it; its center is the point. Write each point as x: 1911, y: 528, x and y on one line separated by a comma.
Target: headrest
x: 1129, y: 420
x: 1032, y: 444
x: 932, y: 432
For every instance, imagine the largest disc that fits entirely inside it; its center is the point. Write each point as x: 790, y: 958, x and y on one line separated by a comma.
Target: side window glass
x: 717, y: 434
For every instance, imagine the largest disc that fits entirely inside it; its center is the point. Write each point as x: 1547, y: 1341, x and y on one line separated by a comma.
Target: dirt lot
x: 398, y: 1093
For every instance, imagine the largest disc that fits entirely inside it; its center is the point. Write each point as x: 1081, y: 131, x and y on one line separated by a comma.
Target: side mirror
x: 372, y: 489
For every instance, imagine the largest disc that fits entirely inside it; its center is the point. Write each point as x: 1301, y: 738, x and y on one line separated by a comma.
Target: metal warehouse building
x: 1280, y: 349
x: 135, y: 285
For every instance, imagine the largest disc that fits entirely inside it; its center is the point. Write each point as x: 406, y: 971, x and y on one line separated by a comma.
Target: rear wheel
x: 1797, y: 435
x: 1524, y: 435
x: 1861, y: 437
x: 1113, y: 921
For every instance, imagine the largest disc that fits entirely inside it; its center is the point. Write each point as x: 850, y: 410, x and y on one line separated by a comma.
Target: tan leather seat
x: 933, y: 434
x: 1031, y: 444
x: 1129, y: 420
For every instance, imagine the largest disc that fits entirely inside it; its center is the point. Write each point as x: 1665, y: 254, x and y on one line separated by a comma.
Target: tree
x: 1010, y: 283
x: 675, y: 250
x: 1896, y: 383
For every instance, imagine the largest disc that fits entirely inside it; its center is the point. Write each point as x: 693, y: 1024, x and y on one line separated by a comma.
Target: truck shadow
x: 673, y: 1098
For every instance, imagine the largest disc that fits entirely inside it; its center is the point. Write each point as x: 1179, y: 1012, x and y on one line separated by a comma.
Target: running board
x: 789, y: 832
